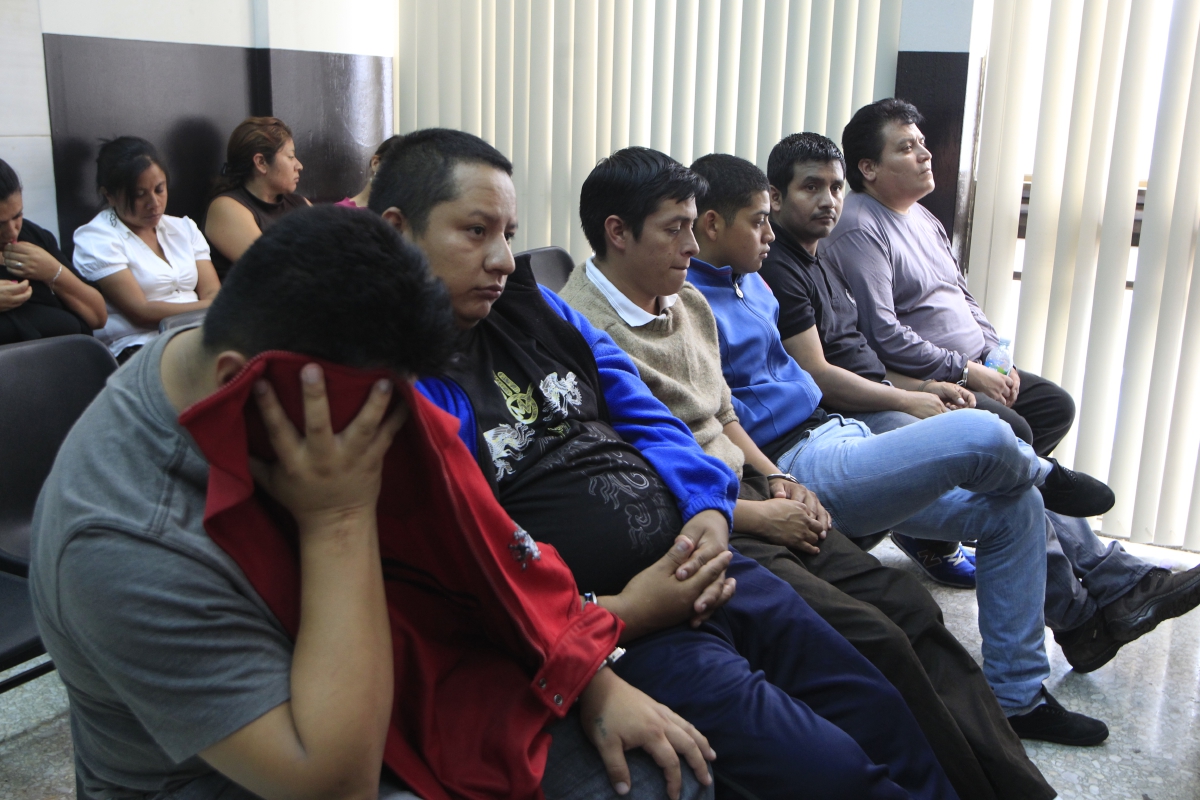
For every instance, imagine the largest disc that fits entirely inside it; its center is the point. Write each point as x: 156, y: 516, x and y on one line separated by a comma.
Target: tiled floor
x: 1149, y: 696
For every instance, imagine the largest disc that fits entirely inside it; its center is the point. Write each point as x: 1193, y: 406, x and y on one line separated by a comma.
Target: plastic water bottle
x: 1000, y: 357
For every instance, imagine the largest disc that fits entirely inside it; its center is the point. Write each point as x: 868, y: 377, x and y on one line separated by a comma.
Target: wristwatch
x: 611, y: 658
x: 963, y: 380
x: 782, y: 476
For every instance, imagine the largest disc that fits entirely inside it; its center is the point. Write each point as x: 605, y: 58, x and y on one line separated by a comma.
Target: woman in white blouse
x: 147, y: 265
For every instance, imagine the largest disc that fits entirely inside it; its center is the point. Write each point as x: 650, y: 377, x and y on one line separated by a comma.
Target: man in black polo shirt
x: 818, y: 323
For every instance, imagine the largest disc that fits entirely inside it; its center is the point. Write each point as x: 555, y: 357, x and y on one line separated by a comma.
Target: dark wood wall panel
x: 187, y: 98
x: 936, y: 83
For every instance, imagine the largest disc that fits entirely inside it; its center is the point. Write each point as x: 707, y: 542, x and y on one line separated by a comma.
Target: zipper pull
x: 737, y: 288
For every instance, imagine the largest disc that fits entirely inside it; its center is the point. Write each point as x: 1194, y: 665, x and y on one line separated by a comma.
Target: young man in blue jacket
x: 952, y: 476
x: 583, y: 457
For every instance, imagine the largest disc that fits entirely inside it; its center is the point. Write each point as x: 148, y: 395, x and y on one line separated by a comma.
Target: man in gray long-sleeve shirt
x: 913, y: 303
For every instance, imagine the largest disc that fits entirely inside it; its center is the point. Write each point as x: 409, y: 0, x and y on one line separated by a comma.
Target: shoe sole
x: 1089, y: 742
x: 1160, y: 609
x: 1097, y: 661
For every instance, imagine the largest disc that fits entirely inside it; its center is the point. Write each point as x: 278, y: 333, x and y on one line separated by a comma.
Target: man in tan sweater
x: 637, y: 292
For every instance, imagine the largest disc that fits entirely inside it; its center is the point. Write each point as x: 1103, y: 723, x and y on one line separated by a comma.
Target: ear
x: 374, y: 165
x: 229, y: 364
x: 868, y: 169
x: 710, y: 224
x: 260, y: 163
x: 617, y: 233
x: 395, y: 217
x: 776, y: 200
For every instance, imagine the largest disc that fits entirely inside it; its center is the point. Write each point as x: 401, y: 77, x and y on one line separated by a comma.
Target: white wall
x: 362, y: 27
x: 940, y: 26
x: 25, y: 115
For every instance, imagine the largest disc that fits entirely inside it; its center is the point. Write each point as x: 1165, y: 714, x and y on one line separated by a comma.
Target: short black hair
x: 417, y: 172
x: 732, y: 181
x: 10, y: 184
x: 630, y: 184
x: 121, y: 162
x: 863, y: 135
x: 337, y: 284
x: 799, y: 148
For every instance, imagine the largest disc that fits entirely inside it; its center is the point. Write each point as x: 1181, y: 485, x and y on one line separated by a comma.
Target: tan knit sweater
x: 677, y: 355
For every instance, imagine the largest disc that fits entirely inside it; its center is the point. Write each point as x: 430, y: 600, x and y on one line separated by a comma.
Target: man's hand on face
x: 324, y: 476
x: 14, y: 294
x: 709, y: 532
x: 617, y: 717
x: 655, y: 599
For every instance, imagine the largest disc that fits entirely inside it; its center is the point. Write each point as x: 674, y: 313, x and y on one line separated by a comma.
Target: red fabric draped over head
x: 487, y: 629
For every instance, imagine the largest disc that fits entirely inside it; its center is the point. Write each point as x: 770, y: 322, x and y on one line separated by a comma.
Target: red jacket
x: 489, y: 641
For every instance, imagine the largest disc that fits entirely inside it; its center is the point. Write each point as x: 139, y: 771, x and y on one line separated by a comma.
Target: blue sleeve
x: 698, y: 481
x: 450, y: 397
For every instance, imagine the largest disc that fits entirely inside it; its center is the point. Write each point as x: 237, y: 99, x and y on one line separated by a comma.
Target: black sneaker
x: 1160, y: 595
x: 1090, y: 646
x: 1050, y: 722
x: 1075, y: 494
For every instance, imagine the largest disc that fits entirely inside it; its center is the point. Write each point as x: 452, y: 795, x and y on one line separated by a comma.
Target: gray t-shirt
x: 913, y: 303
x: 164, y: 646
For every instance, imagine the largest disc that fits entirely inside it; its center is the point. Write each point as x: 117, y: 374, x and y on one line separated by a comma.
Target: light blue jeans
x: 1083, y: 575
x: 956, y: 476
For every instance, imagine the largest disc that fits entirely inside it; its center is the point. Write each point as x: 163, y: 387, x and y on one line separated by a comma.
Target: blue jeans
x: 792, y: 709
x: 1083, y: 576
x: 956, y: 476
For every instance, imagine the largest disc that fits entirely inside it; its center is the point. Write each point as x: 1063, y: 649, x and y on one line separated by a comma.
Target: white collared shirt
x: 635, y: 317
x: 106, y: 246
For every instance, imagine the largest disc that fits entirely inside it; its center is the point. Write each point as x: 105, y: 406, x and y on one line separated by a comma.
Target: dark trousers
x: 790, y: 707
x: 894, y: 622
x: 1042, y: 415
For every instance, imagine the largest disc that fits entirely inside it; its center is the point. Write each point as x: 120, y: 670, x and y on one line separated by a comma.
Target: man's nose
x: 500, y: 260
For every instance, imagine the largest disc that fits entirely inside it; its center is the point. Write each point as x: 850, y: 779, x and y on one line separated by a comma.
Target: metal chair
x: 551, y: 266
x: 46, y: 385
x: 19, y: 640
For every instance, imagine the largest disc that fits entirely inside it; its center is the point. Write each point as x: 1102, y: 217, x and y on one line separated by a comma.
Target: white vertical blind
x: 1050, y: 160
x: 1151, y: 266
x: 1107, y: 75
x: 998, y: 187
x: 664, y: 74
x: 683, y: 114
x: 558, y: 84
x: 841, y: 68
x: 749, y: 79
x: 820, y: 54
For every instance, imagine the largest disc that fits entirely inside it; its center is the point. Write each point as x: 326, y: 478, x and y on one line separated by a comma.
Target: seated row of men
x: 268, y: 563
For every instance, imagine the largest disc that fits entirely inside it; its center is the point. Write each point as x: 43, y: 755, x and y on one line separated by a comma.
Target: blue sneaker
x: 955, y: 569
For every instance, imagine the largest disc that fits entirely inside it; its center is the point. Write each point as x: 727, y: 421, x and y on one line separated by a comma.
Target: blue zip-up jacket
x: 697, y: 481
x: 772, y: 394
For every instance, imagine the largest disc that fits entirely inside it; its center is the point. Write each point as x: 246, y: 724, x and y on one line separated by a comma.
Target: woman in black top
x: 40, y: 293
x: 257, y: 186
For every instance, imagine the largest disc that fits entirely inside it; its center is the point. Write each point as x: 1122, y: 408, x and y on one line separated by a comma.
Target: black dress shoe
x: 1075, y: 494
x: 1160, y: 595
x: 1050, y: 722
x: 1090, y: 646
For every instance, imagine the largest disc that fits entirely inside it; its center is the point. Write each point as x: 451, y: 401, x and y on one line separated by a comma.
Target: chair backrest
x: 45, y: 385
x: 551, y: 266
x: 185, y: 320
